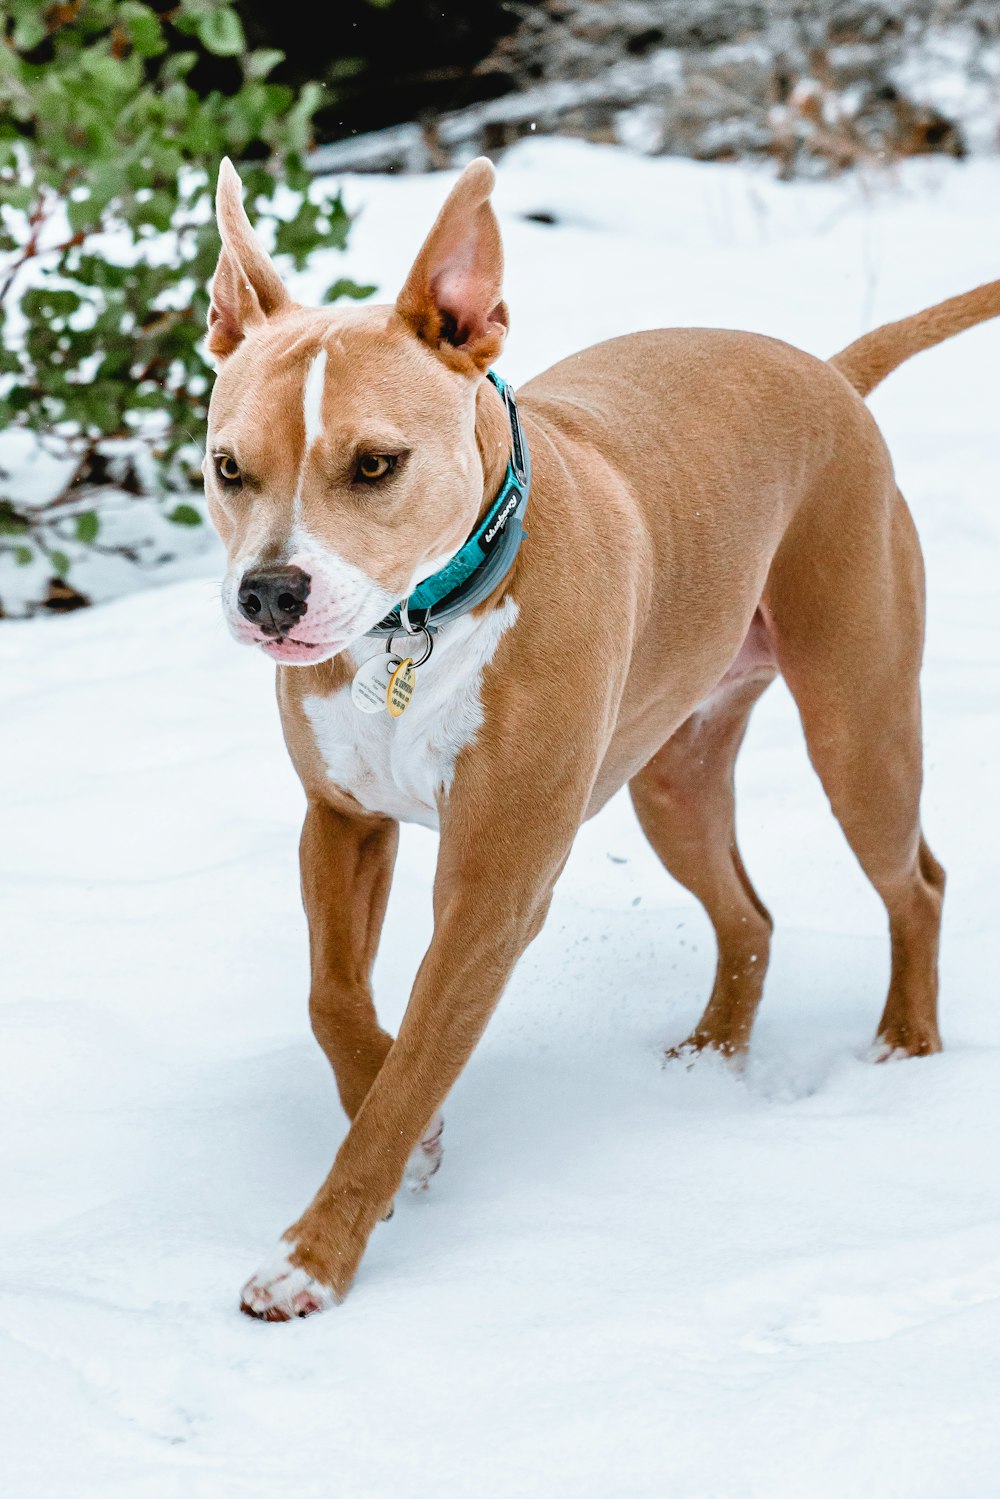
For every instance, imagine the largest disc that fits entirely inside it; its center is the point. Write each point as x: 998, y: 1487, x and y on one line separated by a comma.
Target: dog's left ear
x: 453, y: 297
x: 246, y: 288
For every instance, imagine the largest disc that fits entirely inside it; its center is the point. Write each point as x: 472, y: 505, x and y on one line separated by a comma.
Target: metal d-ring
x: 428, y: 637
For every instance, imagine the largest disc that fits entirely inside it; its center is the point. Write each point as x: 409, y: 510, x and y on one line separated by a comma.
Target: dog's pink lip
x: 307, y: 651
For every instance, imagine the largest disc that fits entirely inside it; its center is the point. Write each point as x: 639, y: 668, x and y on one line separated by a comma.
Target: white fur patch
x: 399, y: 766
x: 343, y: 600
x: 425, y: 1159
x: 281, y: 1290
x: 312, y: 418
x: 312, y: 398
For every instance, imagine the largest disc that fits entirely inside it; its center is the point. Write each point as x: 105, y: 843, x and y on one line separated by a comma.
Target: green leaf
x: 60, y: 562
x: 185, y: 515
x: 296, y: 124
x: 144, y: 28
x: 221, y: 32
x: 87, y: 526
x: 344, y: 68
x: 345, y: 287
x: 10, y: 524
x: 23, y: 556
x: 82, y: 214
x: 29, y: 31
x: 179, y: 64
x: 47, y: 303
x: 18, y: 195
x: 257, y: 65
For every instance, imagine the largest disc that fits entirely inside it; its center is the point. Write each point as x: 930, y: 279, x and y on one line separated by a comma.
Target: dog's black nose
x: 274, y: 598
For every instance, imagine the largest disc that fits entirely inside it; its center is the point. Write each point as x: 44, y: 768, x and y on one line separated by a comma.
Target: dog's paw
x: 280, y: 1290
x: 426, y: 1158
x: 893, y: 1048
x: 698, y: 1046
x: 884, y: 1051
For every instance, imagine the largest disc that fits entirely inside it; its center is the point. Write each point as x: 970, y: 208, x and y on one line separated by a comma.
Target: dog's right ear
x: 246, y: 288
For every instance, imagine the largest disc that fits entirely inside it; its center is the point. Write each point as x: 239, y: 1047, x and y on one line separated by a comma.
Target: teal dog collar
x: 488, y: 555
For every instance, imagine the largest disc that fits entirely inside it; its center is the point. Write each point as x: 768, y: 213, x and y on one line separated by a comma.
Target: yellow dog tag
x: 401, y: 685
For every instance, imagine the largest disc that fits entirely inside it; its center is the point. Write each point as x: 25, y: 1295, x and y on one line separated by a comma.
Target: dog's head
x: 342, y: 464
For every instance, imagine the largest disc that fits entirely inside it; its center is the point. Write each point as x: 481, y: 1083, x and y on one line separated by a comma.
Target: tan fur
x: 713, y: 508
x: 867, y: 361
x: 246, y: 289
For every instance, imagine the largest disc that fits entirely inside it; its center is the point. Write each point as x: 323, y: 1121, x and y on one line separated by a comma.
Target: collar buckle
x: 519, y: 446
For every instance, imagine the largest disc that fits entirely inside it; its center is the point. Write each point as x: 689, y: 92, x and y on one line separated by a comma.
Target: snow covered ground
x: 627, y: 1280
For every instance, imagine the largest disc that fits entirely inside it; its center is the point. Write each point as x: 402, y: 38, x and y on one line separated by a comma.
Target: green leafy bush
x: 107, y: 154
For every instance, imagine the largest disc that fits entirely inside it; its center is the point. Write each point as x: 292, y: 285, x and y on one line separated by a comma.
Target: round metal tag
x: 401, y: 686
x: 370, y: 683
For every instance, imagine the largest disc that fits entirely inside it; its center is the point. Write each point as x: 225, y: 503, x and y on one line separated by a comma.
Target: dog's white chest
x: 399, y: 766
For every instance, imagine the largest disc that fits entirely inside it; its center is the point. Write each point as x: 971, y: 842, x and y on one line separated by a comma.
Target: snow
x: 627, y: 1279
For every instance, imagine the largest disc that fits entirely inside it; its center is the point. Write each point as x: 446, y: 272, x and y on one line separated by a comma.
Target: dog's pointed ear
x: 453, y: 297
x: 246, y: 288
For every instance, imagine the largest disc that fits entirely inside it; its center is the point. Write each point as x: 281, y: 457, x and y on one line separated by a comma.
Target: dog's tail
x: 867, y: 361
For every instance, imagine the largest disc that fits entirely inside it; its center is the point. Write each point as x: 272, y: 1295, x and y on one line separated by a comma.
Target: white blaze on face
x: 341, y: 595
x: 312, y: 419
x: 312, y: 399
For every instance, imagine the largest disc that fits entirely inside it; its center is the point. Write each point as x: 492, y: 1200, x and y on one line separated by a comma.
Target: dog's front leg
x: 346, y: 863
x: 499, y: 859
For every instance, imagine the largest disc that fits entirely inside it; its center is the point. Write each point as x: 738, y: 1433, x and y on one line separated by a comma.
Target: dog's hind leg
x: 685, y: 804
x: 845, y: 606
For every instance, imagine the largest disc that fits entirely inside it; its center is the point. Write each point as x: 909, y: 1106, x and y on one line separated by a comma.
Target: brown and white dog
x: 723, y: 508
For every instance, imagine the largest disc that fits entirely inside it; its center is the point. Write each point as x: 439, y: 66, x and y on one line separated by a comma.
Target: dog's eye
x: 375, y: 466
x: 227, y: 468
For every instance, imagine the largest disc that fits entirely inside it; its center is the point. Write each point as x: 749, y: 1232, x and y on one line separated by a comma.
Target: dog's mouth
x: 291, y: 651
